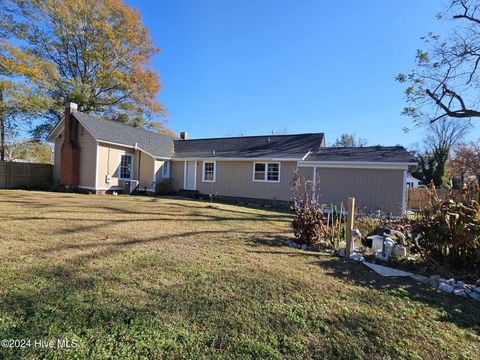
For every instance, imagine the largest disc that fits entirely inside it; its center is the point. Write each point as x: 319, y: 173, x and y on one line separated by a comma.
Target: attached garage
x: 374, y: 189
x: 375, y: 176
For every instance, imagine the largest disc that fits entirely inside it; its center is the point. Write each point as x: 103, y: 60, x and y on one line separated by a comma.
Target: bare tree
x: 446, y: 79
x: 441, y: 136
x: 444, y: 133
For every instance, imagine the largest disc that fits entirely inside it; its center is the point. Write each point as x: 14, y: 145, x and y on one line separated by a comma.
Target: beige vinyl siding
x: 373, y: 189
x: 144, y: 166
x: 109, y: 162
x: 88, y: 155
x: 57, y: 152
x: 176, y: 174
x: 235, y: 178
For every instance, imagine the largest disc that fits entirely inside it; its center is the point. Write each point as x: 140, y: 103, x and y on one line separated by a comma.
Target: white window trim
x: 214, y: 171
x: 266, y: 171
x: 166, y: 176
x: 131, y: 167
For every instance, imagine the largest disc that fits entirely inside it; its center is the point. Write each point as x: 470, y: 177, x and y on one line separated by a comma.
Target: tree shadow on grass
x: 464, y: 313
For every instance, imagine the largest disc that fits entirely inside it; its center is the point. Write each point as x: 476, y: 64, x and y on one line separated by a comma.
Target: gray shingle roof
x: 267, y: 146
x: 112, y: 131
x: 363, y: 154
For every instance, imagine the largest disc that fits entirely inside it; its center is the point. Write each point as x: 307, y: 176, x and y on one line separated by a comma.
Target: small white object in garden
x: 380, y: 255
x: 445, y: 287
x: 377, y: 243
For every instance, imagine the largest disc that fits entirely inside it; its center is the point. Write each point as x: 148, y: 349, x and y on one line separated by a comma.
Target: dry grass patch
x: 168, y: 278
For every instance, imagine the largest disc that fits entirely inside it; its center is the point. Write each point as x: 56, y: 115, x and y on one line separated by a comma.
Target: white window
x: 166, y: 169
x: 267, y: 172
x: 125, y: 171
x: 208, y: 173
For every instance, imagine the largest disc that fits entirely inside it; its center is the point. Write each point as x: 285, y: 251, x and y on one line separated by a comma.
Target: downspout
x: 139, y: 163
x: 139, y: 166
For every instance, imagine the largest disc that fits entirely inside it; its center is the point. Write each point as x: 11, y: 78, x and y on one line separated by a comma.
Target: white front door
x: 190, y: 174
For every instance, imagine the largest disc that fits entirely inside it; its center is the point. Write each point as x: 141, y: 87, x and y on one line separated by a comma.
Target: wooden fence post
x: 350, y: 224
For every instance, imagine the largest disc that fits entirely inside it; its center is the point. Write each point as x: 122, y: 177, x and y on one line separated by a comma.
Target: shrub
x: 164, y: 187
x: 367, y: 225
x: 447, y: 233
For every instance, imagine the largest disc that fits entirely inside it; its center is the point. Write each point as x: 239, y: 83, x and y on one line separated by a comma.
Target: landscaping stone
x: 422, y: 279
x: 473, y: 295
x: 341, y: 253
x: 435, y: 277
x: 477, y: 289
x: 304, y: 247
x: 460, y: 292
x: 357, y: 257
x: 445, y: 287
x: 460, y: 285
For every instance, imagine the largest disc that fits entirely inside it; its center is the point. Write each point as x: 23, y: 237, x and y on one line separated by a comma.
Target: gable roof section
x: 269, y: 146
x: 155, y: 144
x: 378, y: 154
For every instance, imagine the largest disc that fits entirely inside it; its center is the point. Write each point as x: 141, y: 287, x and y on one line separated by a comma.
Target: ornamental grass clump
x: 447, y: 233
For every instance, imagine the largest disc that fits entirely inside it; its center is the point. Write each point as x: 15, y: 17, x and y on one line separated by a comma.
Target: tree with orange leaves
x: 96, y: 53
x: 466, y: 163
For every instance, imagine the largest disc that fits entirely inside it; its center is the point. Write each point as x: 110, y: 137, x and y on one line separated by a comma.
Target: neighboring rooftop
x: 265, y: 146
x: 396, y: 154
x: 112, y: 131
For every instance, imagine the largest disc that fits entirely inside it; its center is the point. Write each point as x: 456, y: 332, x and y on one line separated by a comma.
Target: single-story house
x: 100, y: 155
x: 412, y: 181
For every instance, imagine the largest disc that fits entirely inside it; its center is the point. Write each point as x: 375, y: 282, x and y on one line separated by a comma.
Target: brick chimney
x: 70, y: 154
x: 184, y: 135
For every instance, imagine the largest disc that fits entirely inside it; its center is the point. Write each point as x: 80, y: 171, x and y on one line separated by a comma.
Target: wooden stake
x: 350, y: 224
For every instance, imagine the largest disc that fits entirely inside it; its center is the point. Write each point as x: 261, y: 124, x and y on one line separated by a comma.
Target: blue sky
x: 252, y: 67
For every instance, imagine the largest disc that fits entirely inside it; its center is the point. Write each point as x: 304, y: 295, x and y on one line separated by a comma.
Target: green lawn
x: 141, y: 277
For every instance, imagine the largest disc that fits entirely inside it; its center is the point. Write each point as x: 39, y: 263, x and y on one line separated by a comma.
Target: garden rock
x: 473, y: 295
x: 477, y: 289
x: 435, y: 277
x: 423, y: 279
x: 304, y: 247
x: 433, y: 284
x: 357, y: 257
x: 445, y: 287
x: 460, y: 292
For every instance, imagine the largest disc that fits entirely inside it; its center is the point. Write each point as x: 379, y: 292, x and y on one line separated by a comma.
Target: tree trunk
x: 2, y: 128
x: 478, y: 186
